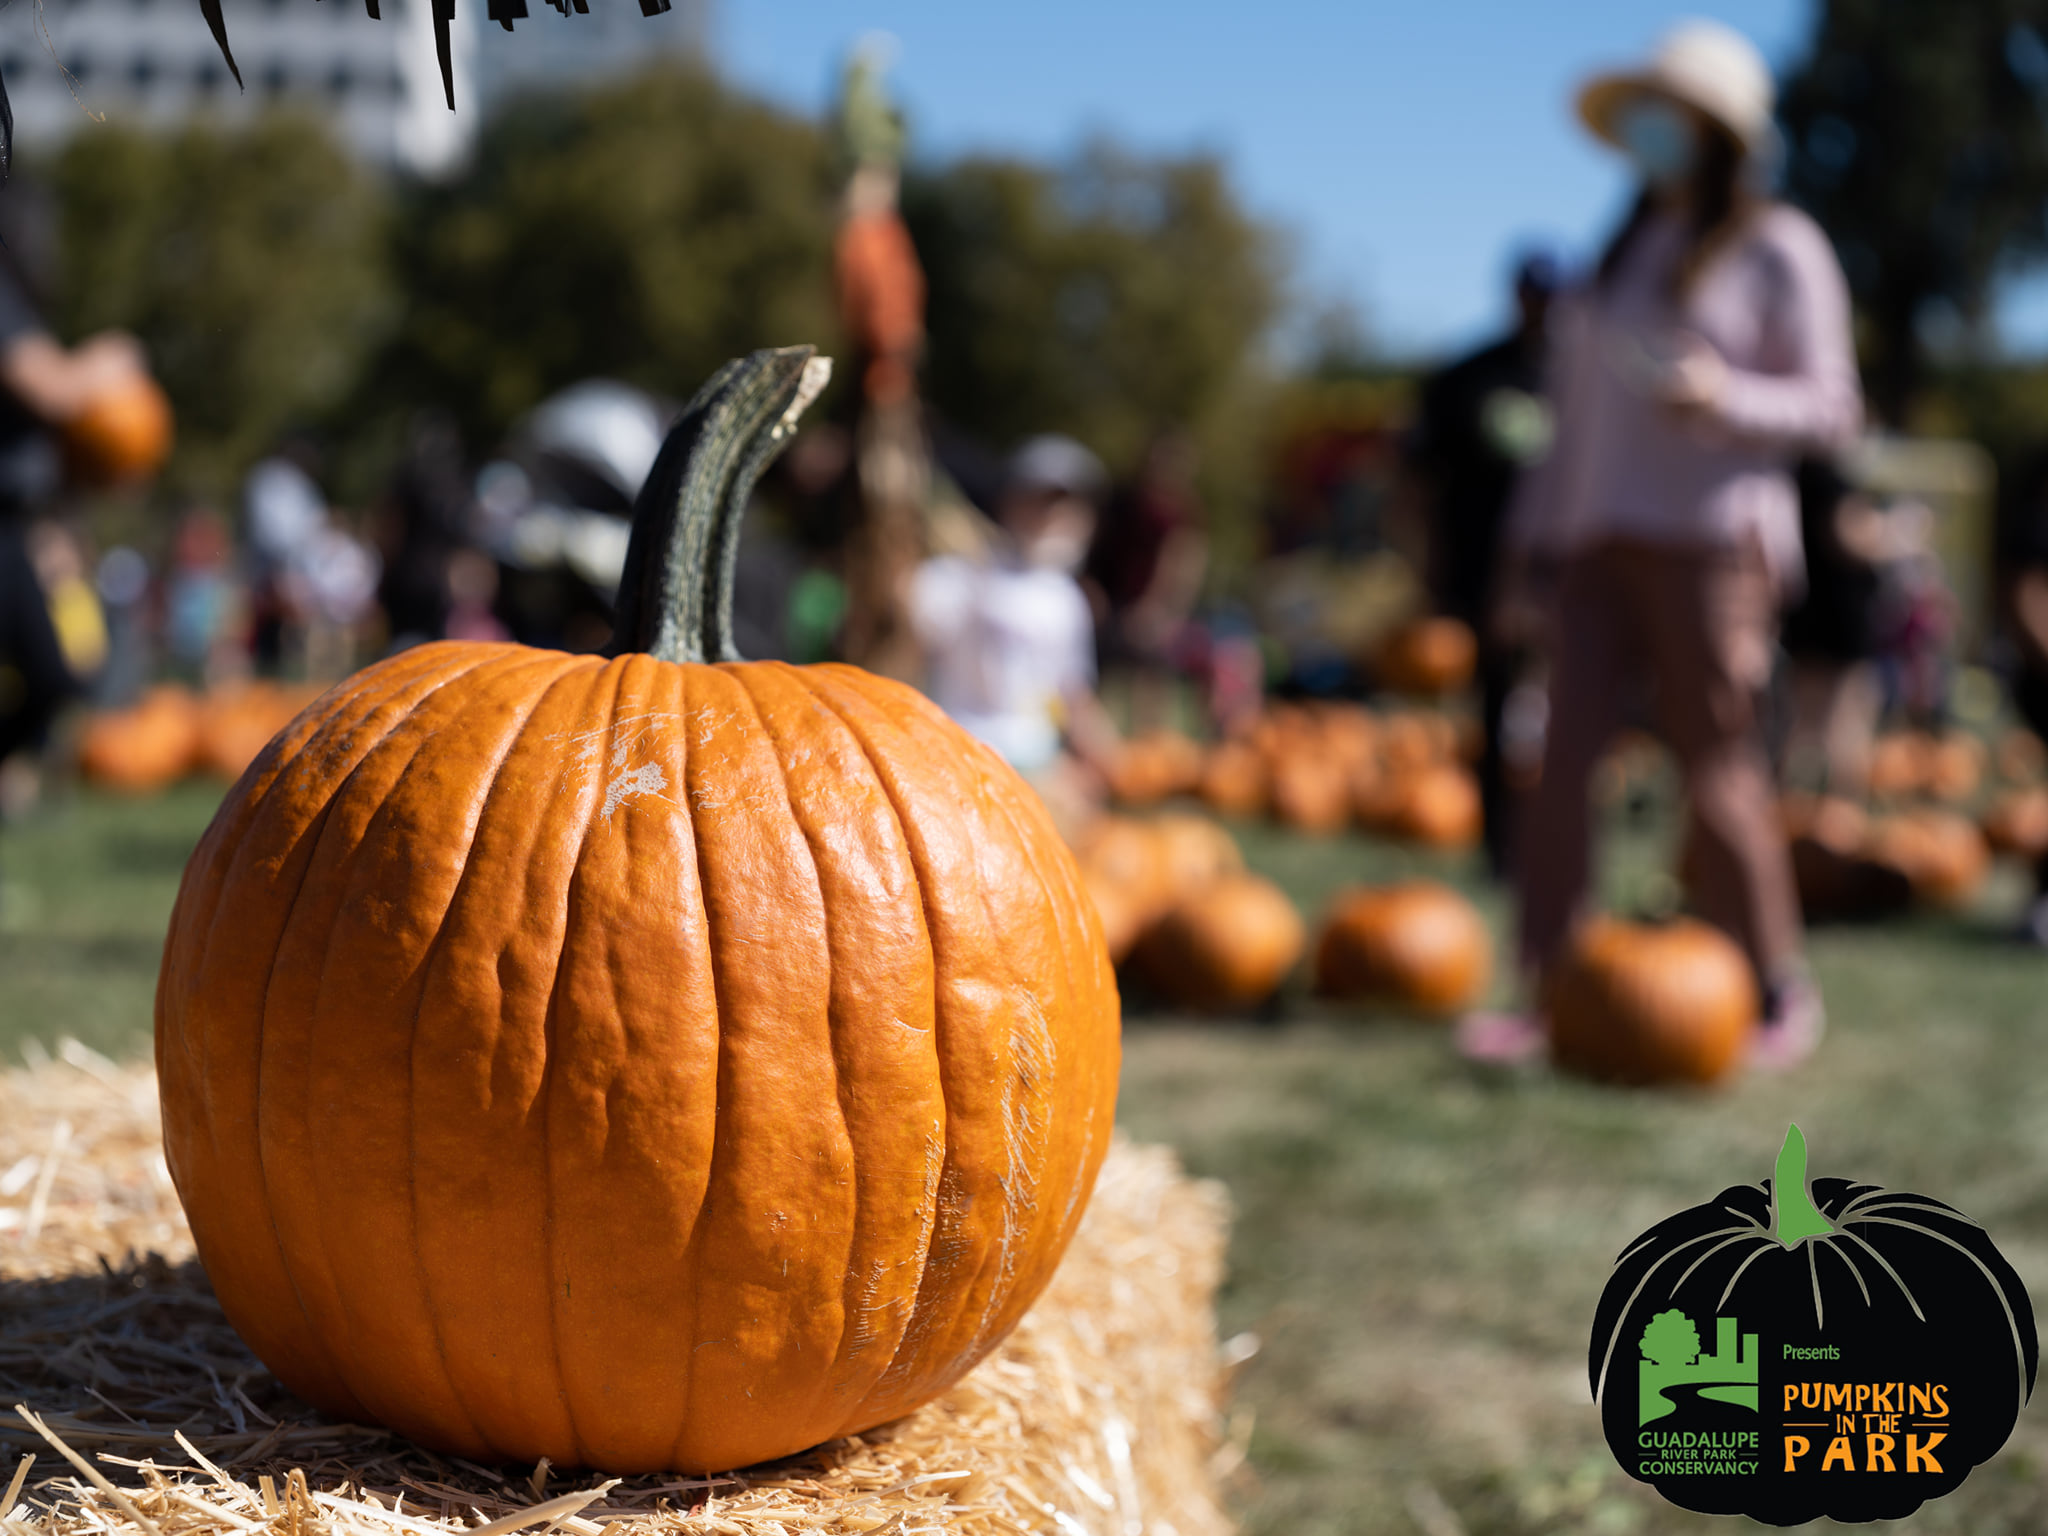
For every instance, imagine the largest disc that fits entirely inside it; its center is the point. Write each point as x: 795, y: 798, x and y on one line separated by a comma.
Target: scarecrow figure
x: 881, y: 304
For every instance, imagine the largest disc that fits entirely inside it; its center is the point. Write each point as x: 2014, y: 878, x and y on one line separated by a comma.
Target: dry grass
x: 143, y: 1412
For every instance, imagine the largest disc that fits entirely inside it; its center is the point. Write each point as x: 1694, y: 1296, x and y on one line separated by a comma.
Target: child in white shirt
x: 1009, y: 640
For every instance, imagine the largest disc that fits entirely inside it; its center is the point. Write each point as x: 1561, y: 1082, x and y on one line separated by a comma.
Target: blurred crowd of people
x: 1636, y: 498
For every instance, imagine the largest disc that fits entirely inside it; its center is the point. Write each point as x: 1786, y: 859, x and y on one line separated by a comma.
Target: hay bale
x: 145, y: 1413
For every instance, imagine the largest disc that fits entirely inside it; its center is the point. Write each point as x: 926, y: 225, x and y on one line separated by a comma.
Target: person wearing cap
x: 1709, y: 348
x: 1009, y: 640
x: 1481, y: 421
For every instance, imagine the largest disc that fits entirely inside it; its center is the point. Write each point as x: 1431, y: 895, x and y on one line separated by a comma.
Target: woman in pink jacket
x: 1710, y: 347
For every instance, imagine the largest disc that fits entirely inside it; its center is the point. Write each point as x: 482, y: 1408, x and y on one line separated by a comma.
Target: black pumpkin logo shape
x: 1787, y: 1352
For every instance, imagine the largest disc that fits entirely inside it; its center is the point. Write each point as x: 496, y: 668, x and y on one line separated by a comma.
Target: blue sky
x: 1407, y: 147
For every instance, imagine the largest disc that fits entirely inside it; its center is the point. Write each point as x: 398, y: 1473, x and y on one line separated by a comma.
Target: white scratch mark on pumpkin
x: 631, y: 783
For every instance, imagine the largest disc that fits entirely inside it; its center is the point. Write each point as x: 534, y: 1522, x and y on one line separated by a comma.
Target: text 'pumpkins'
x: 655, y: 1062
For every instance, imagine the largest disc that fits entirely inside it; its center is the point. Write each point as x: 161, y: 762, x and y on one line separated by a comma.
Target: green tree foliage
x: 648, y: 231
x: 1670, y: 1339
x: 252, y: 264
x: 1106, y: 298
x: 1918, y: 135
x: 645, y: 232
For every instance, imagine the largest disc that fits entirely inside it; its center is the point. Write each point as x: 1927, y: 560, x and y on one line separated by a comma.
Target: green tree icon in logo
x: 1670, y: 1339
x: 1672, y: 1358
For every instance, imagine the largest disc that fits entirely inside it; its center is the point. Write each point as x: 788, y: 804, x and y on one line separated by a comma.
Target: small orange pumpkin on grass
x: 1228, y: 945
x: 1651, y: 1003
x: 1416, y: 945
x: 145, y: 747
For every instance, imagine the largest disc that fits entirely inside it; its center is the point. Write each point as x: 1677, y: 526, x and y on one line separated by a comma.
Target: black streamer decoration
x: 210, y: 9
x: 444, y: 13
x: 504, y: 12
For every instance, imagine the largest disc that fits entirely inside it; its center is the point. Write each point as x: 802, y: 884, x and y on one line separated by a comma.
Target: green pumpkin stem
x: 675, y: 593
x: 1794, y: 1216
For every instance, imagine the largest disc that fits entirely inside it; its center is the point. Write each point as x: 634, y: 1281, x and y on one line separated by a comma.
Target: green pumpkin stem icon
x: 1793, y: 1214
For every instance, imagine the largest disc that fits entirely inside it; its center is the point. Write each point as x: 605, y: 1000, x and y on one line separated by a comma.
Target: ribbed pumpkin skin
x: 644, y: 1065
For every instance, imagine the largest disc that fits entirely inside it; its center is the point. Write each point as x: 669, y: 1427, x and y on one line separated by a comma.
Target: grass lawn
x: 1419, y: 1246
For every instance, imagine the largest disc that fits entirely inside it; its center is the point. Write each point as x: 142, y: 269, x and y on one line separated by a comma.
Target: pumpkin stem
x: 1794, y: 1216
x: 675, y: 593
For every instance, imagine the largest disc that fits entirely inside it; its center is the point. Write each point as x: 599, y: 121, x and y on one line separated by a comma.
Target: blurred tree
x: 645, y: 232
x: 252, y: 264
x: 1105, y: 298
x: 1918, y: 135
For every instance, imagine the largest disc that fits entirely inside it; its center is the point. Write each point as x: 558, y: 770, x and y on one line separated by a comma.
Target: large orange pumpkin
x: 1417, y: 944
x: 123, y: 434
x: 1228, y: 945
x: 145, y: 747
x: 660, y: 1061
x: 1651, y: 1004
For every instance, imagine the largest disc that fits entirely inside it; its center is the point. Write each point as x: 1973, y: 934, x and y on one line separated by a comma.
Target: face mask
x: 1659, y: 138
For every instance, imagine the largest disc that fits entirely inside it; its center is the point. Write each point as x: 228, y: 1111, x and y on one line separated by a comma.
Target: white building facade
x: 376, y: 83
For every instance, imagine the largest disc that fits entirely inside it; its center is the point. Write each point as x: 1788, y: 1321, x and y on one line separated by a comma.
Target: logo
x: 1672, y: 1358
x: 1869, y: 1347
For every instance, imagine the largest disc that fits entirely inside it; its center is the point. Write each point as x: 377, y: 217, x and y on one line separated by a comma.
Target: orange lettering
x: 1836, y: 1398
x: 1878, y: 1448
x: 1795, y: 1447
x: 1791, y: 1394
x: 1920, y: 1458
x: 1838, y: 1450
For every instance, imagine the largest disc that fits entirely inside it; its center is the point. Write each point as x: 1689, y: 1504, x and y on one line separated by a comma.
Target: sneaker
x: 1502, y: 1039
x: 1793, y: 1023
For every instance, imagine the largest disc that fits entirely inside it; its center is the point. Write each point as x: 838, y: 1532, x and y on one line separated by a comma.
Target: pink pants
x: 1696, y: 625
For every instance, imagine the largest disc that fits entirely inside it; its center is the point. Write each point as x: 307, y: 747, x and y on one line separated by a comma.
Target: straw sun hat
x: 1701, y: 64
